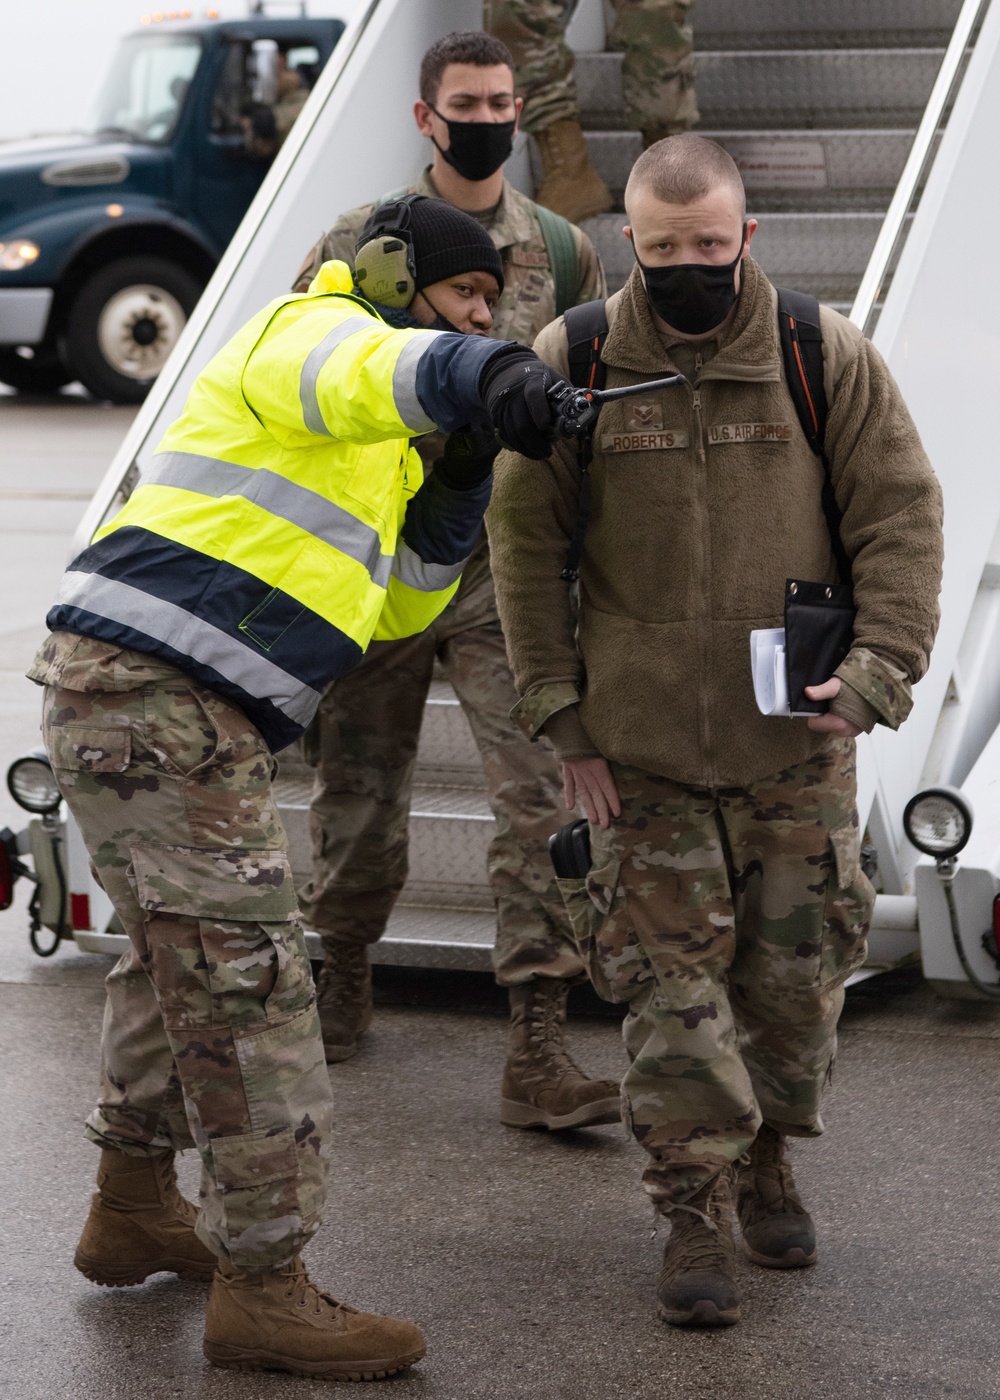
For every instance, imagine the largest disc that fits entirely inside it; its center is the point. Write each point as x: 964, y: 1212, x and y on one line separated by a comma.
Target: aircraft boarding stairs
x: 819, y: 105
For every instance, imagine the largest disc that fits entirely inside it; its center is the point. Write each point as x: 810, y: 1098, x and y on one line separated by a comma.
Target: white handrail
x: 902, y: 199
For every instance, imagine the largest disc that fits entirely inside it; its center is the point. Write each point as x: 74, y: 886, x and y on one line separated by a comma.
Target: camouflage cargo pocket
x: 223, y: 922
x: 603, y: 933
x: 848, y: 907
x: 86, y: 748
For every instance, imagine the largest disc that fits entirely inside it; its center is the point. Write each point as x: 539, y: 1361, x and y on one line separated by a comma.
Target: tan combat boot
x: 343, y: 997
x: 140, y: 1224
x: 279, y: 1321
x: 697, y: 1287
x: 572, y: 187
x: 778, y: 1231
x: 542, y: 1087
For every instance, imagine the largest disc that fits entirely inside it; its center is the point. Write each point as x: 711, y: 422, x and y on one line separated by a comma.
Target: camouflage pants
x: 728, y: 920
x: 365, y: 747
x: 657, y: 71
x: 211, y: 1037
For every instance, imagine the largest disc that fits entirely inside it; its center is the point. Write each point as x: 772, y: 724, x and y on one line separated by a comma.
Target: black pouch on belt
x: 819, y: 630
x: 570, y: 850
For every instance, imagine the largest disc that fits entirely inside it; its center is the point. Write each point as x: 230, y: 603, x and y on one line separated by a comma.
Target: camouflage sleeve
x: 541, y: 702
x: 880, y: 682
x: 338, y: 242
x: 593, y: 285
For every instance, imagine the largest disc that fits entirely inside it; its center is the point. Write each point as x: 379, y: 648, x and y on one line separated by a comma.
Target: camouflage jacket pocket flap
x: 602, y: 883
x: 255, y: 1159
x: 244, y: 886
x: 82, y: 748
x: 846, y: 843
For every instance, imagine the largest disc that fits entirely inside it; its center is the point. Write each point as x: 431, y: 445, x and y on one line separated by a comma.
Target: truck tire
x: 124, y: 322
x: 43, y: 374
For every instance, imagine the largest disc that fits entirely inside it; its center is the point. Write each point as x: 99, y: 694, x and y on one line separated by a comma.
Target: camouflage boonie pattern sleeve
x: 880, y: 681
x: 339, y: 241
x: 593, y: 283
x: 533, y: 709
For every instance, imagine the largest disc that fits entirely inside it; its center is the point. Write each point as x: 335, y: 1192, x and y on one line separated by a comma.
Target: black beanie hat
x: 445, y: 241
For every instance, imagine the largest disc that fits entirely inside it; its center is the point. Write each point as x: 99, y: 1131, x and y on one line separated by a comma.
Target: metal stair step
x: 796, y: 169
x: 460, y: 940
x: 825, y: 254
x: 782, y: 88
x: 833, y: 23
x: 450, y: 832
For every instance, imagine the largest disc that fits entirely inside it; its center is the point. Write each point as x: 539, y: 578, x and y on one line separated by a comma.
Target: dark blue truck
x: 108, y: 237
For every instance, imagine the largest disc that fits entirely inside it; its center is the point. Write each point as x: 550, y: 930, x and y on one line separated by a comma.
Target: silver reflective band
x: 209, y: 476
x: 192, y: 636
x: 315, y: 361
x: 404, y: 383
x: 410, y: 569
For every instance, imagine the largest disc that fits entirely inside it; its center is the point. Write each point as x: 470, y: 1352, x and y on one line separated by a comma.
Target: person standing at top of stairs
x: 364, y: 739
x: 657, y: 78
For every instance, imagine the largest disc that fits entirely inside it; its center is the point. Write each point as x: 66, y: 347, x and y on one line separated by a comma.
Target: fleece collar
x: 749, y: 349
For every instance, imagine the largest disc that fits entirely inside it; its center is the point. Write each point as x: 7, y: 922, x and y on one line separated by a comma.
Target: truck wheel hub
x: 138, y: 328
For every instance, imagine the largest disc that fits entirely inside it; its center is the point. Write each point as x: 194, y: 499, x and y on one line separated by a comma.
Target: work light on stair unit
x: 32, y: 783
x: 938, y: 821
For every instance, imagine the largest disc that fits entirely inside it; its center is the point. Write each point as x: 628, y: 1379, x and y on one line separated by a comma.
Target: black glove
x: 467, y: 459
x: 514, y: 385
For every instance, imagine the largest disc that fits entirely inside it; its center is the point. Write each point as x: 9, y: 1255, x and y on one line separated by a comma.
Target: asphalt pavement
x: 528, y: 1258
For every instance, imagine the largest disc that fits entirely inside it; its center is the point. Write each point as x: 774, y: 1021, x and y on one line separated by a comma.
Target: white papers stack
x: 770, y: 677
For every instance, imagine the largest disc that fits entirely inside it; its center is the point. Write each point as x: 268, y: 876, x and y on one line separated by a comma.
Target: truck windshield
x: 144, y: 92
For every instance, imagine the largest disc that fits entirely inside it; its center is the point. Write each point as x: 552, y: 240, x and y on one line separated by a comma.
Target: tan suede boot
x: 343, y: 997
x: 279, y: 1321
x: 572, y: 187
x: 140, y: 1224
x: 542, y: 1087
x: 778, y: 1232
x: 697, y: 1285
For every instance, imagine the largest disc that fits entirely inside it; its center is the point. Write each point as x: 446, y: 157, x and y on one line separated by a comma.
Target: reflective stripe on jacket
x: 284, y: 520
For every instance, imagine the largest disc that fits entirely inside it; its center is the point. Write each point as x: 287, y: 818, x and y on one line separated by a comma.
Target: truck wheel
x: 124, y: 323
x: 42, y: 374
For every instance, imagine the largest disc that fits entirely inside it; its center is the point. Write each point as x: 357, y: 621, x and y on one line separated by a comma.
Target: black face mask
x: 693, y: 298
x: 476, y: 149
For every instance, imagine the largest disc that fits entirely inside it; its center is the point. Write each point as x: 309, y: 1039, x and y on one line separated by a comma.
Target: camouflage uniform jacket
x: 528, y: 305
x: 706, y: 497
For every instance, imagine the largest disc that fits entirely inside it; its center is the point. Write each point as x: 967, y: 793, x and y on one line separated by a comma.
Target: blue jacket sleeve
x: 442, y: 525
x: 447, y: 381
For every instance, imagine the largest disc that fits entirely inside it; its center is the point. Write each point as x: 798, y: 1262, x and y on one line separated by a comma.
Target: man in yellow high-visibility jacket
x: 283, y: 522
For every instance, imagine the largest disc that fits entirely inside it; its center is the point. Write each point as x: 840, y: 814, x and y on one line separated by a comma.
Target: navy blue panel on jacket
x: 448, y: 374
x: 442, y: 525
x: 271, y: 656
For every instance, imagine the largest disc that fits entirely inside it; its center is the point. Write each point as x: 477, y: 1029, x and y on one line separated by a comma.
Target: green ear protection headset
x: 384, y: 266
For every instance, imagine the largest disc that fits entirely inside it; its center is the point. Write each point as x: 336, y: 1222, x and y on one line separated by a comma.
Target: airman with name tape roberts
x: 725, y: 902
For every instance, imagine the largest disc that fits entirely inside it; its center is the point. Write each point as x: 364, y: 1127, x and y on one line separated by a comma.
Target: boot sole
x: 107, y: 1275
x: 703, y: 1314
x: 793, y: 1259
x: 526, y: 1115
x: 336, y: 1053
x: 243, y: 1359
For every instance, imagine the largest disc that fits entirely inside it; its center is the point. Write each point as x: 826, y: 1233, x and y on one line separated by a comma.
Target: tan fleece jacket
x: 706, y: 498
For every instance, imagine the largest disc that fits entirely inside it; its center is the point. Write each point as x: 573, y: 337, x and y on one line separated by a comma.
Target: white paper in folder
x: 770, y: 678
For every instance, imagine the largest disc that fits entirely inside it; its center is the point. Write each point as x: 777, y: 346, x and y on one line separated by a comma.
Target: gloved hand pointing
x: 514, y: 386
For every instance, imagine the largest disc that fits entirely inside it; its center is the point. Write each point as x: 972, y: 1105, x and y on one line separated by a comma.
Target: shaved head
x: 682, y: 169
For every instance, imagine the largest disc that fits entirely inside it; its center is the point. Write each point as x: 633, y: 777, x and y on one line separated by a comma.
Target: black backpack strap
x: 586, y: 332
x: 802, y: 353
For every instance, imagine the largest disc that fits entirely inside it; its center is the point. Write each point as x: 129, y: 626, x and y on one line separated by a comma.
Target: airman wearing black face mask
x: 368, y: 724
x: 725, y: 902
